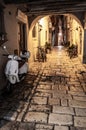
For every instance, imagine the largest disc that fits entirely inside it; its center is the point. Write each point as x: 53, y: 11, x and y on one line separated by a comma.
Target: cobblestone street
x: 52, y: 97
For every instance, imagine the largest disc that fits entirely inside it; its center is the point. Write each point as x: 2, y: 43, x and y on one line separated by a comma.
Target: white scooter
x: 16, y: 68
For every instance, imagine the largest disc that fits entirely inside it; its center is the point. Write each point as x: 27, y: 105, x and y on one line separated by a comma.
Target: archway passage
x: 56, y: 30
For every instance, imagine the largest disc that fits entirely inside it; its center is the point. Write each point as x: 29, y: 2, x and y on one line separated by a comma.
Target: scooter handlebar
x: 5, y: 54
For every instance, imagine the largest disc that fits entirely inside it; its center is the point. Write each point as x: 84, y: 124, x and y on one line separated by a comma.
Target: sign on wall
x: 21, y: 16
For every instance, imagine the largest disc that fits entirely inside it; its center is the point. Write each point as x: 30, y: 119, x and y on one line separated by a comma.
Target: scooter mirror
x: 28, y: 54
x: 4, y: 47
x: 25, y: 55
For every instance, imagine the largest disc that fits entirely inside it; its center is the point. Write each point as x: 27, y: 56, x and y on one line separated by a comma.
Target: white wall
x: 45, y: 30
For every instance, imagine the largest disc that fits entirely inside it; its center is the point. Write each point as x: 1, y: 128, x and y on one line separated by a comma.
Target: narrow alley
x: 52, y: 97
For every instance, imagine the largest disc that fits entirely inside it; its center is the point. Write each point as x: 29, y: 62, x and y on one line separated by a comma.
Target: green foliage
x: 72, y: 50
x: 67, y: 44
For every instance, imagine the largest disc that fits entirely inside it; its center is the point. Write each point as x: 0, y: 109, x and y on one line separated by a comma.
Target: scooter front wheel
x: 8, y: 87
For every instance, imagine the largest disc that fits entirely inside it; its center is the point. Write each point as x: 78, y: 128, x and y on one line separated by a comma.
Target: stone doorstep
x: 11, y: 116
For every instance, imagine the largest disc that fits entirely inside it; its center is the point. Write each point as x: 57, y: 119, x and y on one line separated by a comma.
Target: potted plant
x: 47, y: 47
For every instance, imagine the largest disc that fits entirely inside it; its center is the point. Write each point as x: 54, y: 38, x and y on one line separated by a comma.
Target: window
x: 22, y: 36
x: 3, y: 37
x: 45, y: 35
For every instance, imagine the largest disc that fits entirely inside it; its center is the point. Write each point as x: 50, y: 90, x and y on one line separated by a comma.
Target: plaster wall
x: 45, y: 31
x: 44, y: 36
x: 11, y: 30
x: 76, y: 34
x: 11, y: 27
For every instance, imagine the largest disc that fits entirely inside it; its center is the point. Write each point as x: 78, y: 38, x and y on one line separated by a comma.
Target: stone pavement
x: 52, y: 97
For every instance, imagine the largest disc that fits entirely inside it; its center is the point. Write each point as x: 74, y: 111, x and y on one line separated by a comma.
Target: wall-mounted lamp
x: 40, y: 27
x: 77, y: 28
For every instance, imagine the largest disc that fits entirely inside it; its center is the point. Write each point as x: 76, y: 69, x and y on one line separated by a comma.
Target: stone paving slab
x: 11, y: 115
x: 39, y: 100
x: 63, y: 110
x: 54, y: 101
x: 26, y: 126
x: 46, y: 87
x: 20, y: 116
x: 80, y: 98
x: 77, y: 104
x: 80, y: 121
x: 77, y: 128
x: 40, y: 108
x: 42, y: 94
x: 76, y: 88
x: 36, y: 117
x: 63, y: 87
x: 45, y: 90
x: 44, y: 127
x: 62, y: 96
x: 17, y: 126
x: 76, y: 93
x: 61, y: 128
x: 60, y: 119
x: 80, y: 112
x: 4, y: 125
x: 64, y: 102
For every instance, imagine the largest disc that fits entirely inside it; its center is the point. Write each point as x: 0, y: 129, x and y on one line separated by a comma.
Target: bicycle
x: 41, y: 54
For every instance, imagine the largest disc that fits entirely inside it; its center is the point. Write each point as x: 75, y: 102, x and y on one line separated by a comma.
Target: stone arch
x: 35, y: 20
x: 77, y: 16
x: 77, y: 19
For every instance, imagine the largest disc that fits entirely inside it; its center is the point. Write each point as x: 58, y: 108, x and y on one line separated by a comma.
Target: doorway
x: 22, y: 36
